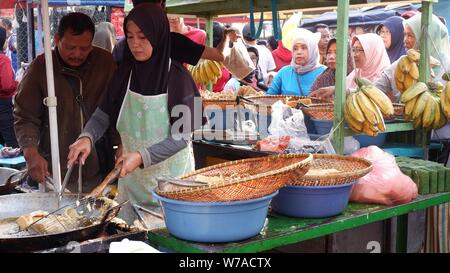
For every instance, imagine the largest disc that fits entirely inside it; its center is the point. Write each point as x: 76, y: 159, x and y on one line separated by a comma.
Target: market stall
x: 278, y: 232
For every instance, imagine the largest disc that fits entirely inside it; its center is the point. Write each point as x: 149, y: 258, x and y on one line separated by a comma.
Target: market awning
x: 9, y: 4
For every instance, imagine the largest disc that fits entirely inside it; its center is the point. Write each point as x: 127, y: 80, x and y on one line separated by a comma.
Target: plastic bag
x: 351, y: 145
x: 385, y: 184
x: 276, y: 144
x: 238, y: 62
x: 287, y: 121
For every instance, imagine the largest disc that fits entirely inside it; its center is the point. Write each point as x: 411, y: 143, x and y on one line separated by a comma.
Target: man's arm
x: 28, y: 115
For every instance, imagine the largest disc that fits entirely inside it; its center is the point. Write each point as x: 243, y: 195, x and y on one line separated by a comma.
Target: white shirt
x: 266, y: 61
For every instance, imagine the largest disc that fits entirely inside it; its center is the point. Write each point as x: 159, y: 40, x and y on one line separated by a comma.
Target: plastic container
x: 366, y: 141
x: 215, y: 222
x: 323, y: 127
x: 312, y: 202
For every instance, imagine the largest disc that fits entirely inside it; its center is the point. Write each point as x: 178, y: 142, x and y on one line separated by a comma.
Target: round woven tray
x: 243, y: 179
x: 222, y: 104
x: 398, y: 112
x: 350, y: 168
x: 319, y: 111
x: 263, y: 104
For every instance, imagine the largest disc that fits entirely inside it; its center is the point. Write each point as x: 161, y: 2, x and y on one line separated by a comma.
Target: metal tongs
x: 90, y: 198
x: 165, y: 181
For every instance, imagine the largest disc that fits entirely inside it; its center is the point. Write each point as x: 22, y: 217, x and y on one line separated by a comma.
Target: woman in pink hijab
x: 370, y: 57
x: 370, y: 60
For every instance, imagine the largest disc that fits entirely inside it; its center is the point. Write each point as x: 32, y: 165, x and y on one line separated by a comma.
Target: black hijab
x: 2, y: 38
x: 152, y: 76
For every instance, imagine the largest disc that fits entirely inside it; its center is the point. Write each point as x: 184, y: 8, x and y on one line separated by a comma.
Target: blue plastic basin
x: 312, y: 202
x: 215, y: 222
x: 366, y: 141
x: 323, y: 127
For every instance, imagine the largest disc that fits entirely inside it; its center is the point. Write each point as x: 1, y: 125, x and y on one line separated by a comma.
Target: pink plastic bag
x: 385, y: 184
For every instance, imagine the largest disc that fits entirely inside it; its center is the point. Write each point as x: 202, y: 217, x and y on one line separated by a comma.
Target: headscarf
x: 282, y: 56
x: 2, y: 38
x: 438, y: 34
x: 149, y: 77
x: 395, y: 26
x: 311, y: 40
x: 328, y: 77
x: 377, y: 59
x: 105, y: 36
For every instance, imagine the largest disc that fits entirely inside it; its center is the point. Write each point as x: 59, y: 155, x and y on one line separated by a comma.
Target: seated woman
x: 370, y: 61
x: 297, y: 78
x: 391, y: 31
x: 328, y: 77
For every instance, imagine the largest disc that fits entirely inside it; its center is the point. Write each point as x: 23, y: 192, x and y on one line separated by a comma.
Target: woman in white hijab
x: 297, y: 78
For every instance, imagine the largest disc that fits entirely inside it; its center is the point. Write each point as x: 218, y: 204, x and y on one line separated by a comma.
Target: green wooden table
x: 281, y: 231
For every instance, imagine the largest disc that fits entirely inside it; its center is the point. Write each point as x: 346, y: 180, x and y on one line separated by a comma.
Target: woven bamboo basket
x: 319, y: 111
x: 263, y: 104
x: 243, y: 179
x: 220, y: 104
x: 398, y: 111
x: 349, y: 169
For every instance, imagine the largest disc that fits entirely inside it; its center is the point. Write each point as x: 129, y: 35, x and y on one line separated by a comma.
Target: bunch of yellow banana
x: 423, y: 105
x: 206, y: 71
x: 364, y: 108
x: 445, y: 95
x: 407, y: 71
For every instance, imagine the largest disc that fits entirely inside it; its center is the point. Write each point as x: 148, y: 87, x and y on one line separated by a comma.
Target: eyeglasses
x: 357, y: 51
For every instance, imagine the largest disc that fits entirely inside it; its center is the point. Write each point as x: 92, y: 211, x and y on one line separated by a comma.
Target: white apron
x: 144, y: 121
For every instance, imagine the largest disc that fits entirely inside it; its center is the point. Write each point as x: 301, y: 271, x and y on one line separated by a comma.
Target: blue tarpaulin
x: 356, y: 18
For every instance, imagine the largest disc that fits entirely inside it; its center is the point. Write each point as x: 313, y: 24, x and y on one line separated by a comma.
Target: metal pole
x: 30, y: 32
x: 341, y: 73
x: 50, y: 101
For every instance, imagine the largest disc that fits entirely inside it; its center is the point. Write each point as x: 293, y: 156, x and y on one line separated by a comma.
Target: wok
x: 14, y: 205
x: 9, y: 178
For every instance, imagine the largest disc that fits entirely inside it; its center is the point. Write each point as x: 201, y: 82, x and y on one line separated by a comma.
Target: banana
x: 420, y: 105
x: 404, y: 64
x: 413, y: 91
x: 216, y: 68
x: 399, y: 85
x: 399, y: 75
x: 414, y: 71
x: 409, y: 108
x: 352, y: 123
x: 428, y: 113
x: 409, y: 81
x: 209, y: 72
x: 354, y: 109
x: 369, y: 129
x: 417, y: 123
x: 380, y: 120
x: 438, y: 116
x: 379, y: 98
x: 413, y: 55
x: 445, y: 100
x: 367, y: 107
x: 360, y: 81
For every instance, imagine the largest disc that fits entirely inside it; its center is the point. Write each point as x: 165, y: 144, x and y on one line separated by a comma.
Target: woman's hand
x: 325, y: 93
x: 79, y: 151
x: 130, y: 162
